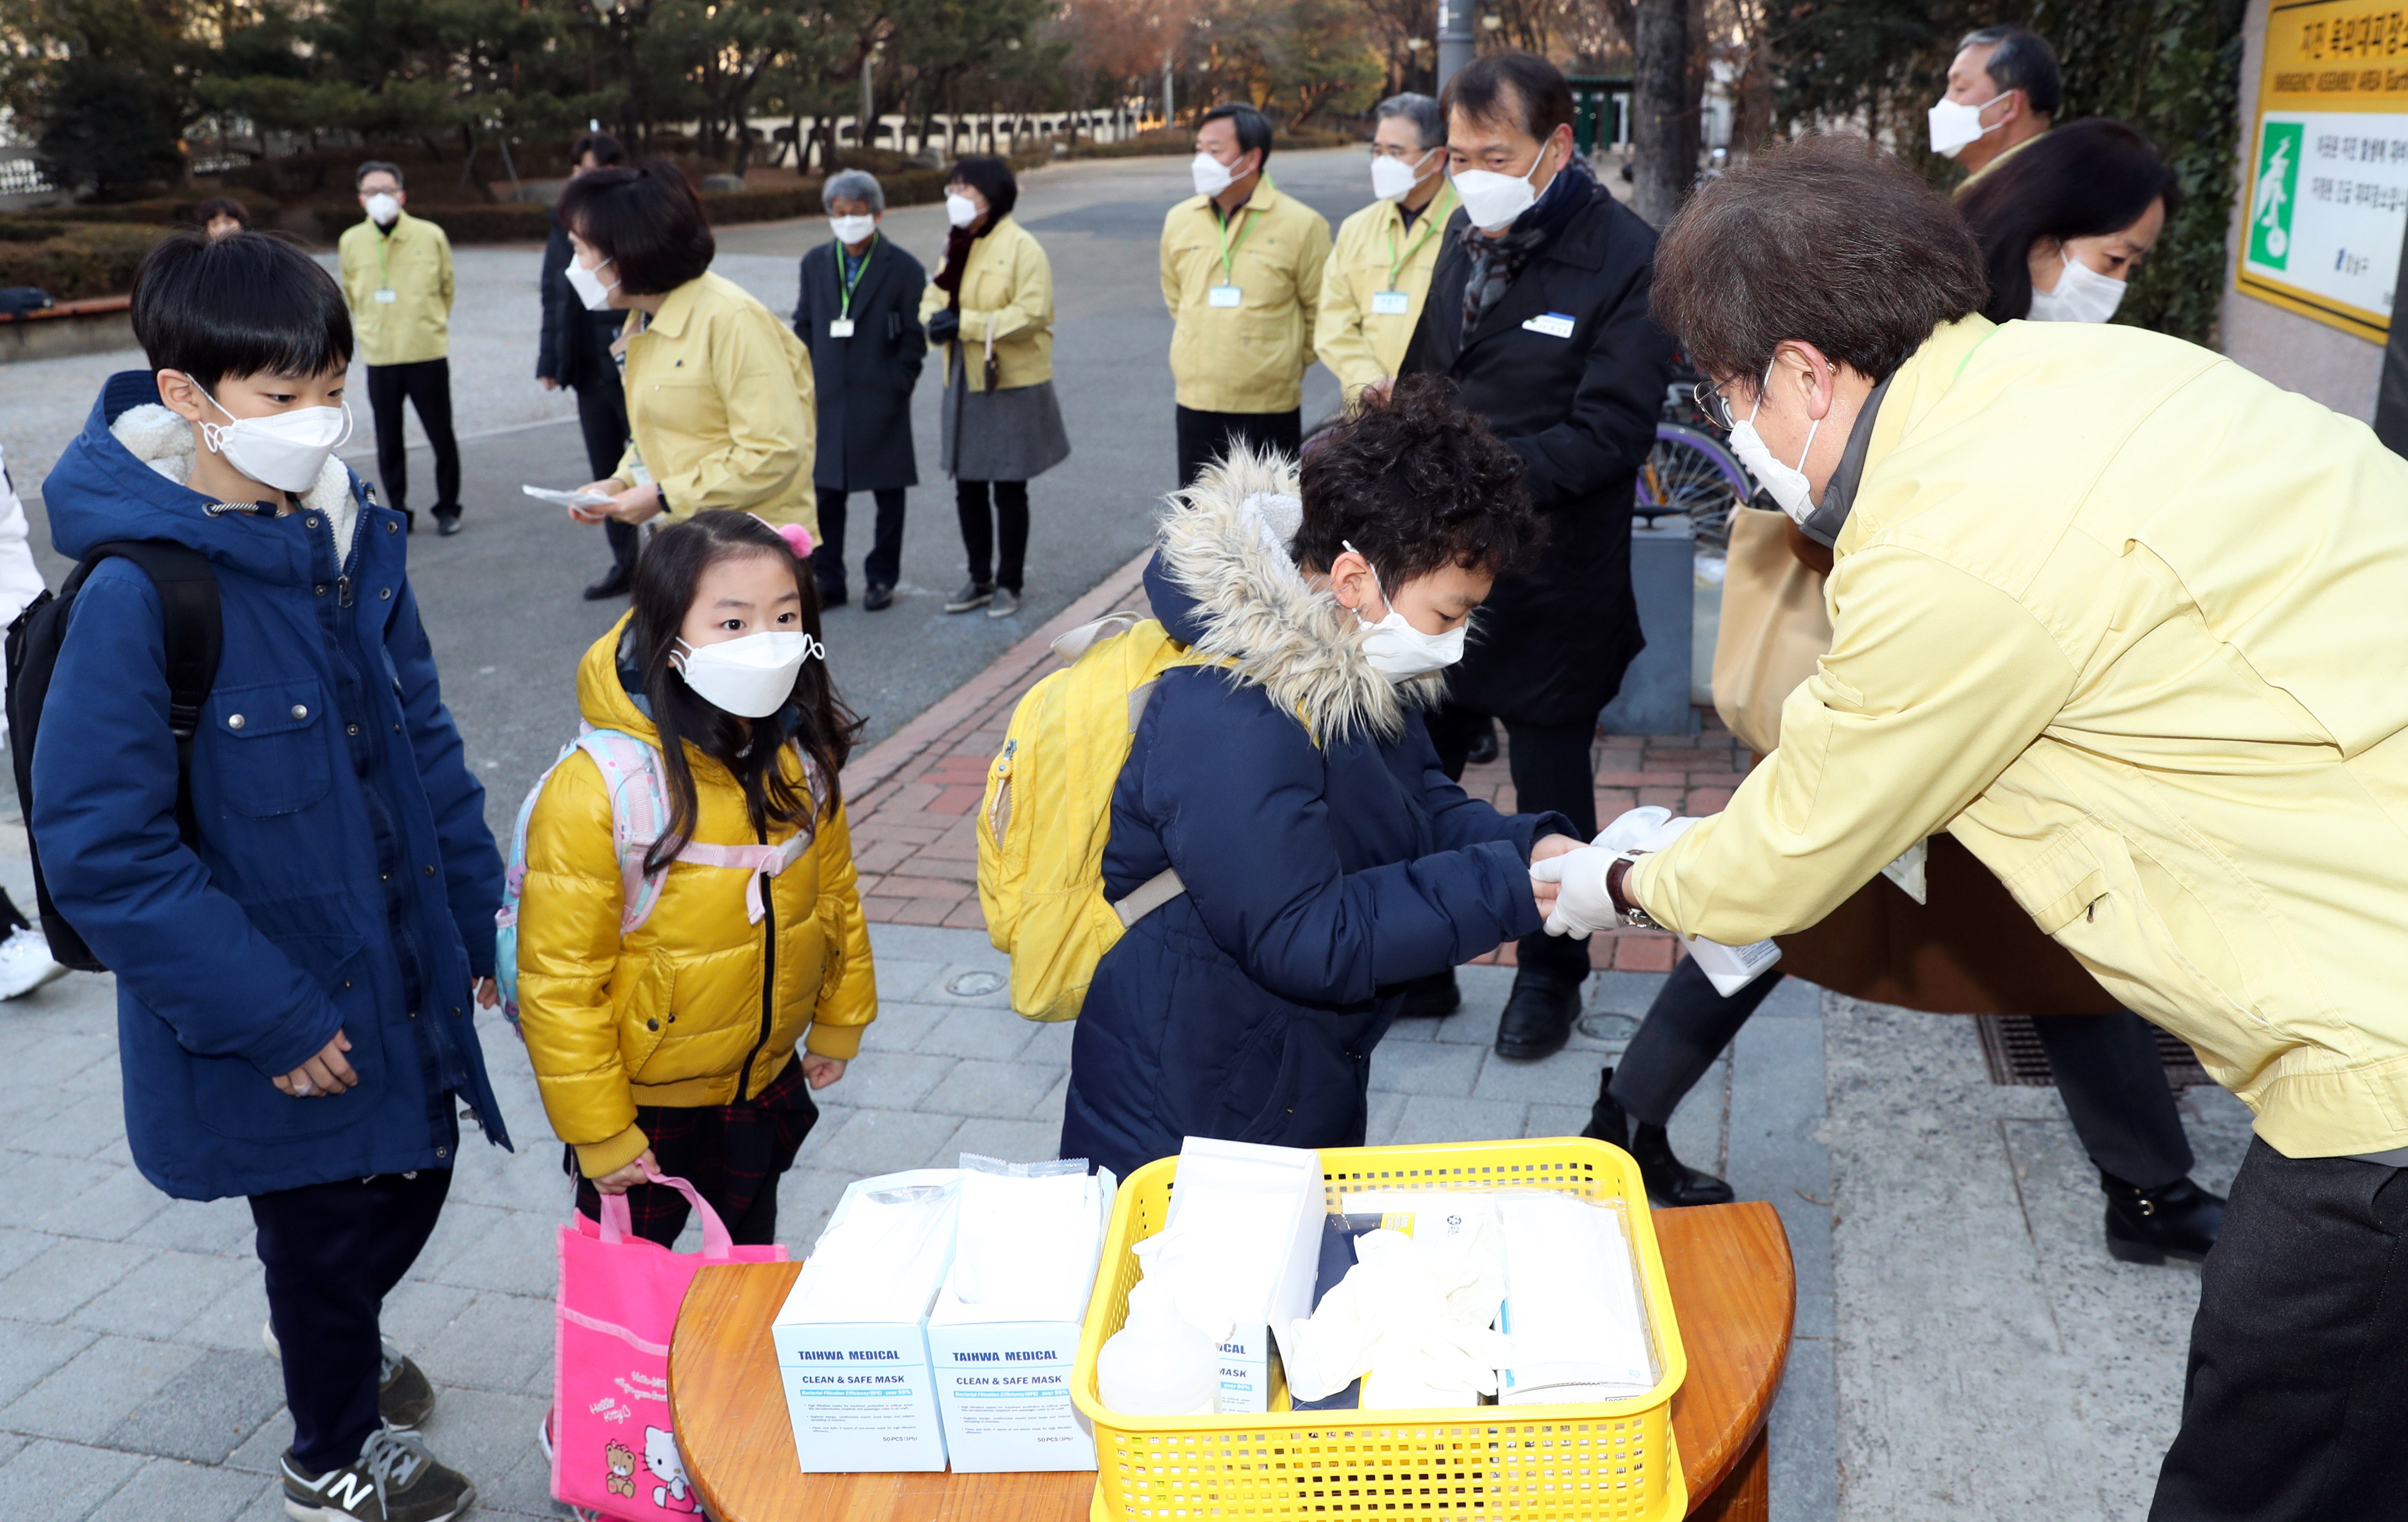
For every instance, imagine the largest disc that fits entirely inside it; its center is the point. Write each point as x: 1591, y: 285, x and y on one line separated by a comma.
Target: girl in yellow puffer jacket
x: 673, y: 1048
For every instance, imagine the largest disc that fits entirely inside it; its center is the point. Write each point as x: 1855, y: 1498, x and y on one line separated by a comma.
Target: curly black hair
x: 1415, y: 485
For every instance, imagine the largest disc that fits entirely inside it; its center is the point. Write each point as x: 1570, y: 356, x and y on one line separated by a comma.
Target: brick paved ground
x: 914, y: 798
x: 133, y: 1385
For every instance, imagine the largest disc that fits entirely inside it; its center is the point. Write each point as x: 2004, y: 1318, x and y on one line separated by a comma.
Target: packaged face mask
x: 287, y: 451
x: 751, y: 676
x: 2082, y: 294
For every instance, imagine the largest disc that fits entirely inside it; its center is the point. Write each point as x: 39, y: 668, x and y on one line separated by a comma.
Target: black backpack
x: 195, y: 636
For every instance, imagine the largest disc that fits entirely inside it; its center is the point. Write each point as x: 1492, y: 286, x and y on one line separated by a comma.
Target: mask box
x: 859, y: 1392
x: 1003, y: 1391
x: 861, y: 1396
x: 1246, y: 1369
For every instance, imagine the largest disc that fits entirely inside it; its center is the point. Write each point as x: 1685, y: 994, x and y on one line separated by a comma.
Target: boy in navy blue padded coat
x: 1327, y: 857
x: 296, y: 982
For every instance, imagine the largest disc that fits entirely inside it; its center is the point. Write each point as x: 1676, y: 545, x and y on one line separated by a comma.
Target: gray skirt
x: 1011, y: 435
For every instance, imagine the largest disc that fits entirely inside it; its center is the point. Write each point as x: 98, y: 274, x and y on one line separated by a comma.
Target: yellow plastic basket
x: 1610, y: 1463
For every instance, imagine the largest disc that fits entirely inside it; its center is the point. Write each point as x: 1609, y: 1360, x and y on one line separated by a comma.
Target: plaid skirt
x: 732, y: 1154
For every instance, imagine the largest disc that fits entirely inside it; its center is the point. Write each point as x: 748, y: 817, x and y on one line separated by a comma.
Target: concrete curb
x: 890, y: 756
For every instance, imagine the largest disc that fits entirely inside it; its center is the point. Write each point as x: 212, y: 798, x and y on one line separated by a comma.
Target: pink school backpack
x: 615, y: 1448
x: 640, y: 811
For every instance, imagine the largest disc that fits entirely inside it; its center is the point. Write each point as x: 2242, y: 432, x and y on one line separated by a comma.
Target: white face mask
x: 1393, y: 178
x: 751, y: 676
x: 960, y: 209
x: 2082, y: 295
x: 1211, y: 176
x: 1956, y: 126
x: 383, y: 210
x: 587, y: 283
x: 287, y: 451
x: 1788, y: 483
x: 1399, y: 651
x: 851, y: 230
x: 1495, y: 202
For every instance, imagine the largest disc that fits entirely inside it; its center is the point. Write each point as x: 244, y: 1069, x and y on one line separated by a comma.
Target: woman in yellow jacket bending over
x: 719, y: 389
x: 672, y: 1048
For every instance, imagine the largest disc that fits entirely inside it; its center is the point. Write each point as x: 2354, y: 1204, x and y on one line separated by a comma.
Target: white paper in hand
x: 568, y: 500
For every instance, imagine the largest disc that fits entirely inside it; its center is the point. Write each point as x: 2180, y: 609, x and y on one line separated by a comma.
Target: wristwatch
x: 1616, y: 872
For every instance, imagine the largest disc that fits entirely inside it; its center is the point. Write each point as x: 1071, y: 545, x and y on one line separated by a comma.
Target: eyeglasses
x: 1410, y: 155
x: 1714, y: 404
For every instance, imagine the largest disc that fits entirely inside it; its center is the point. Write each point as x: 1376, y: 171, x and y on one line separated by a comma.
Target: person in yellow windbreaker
x: 672, y: 1049
x: 1372, y: 288
x: 1242, y: 270
x: 718, y: 390
x: 2122, y: 618
x: 397, y: 281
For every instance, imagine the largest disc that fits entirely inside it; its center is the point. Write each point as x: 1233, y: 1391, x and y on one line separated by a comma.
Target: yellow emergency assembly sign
x: 2327, y: 182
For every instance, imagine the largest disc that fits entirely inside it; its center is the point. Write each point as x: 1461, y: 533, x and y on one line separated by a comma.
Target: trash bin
x: 1655, y: 699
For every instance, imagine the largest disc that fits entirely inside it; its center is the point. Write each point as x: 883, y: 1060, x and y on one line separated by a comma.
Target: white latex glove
x: 1582, y: 907
x: 1649, y: 828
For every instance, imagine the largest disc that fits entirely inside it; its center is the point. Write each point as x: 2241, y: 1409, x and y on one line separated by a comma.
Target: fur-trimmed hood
x: 1223, y: 583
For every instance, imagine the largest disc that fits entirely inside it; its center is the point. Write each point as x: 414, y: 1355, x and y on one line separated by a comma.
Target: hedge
x: 74, y: 261
x: 157, y: 211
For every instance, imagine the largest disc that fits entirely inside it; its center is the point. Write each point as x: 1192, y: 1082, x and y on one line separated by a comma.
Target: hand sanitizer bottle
x: 1158, y: 1365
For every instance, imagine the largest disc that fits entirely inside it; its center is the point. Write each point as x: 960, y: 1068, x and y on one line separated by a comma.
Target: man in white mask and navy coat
x: 1538, y: 312
x: 858, y: 309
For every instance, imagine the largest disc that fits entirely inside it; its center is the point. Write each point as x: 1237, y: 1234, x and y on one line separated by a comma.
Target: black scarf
x: 1497, y: 262
x: 957, y: 253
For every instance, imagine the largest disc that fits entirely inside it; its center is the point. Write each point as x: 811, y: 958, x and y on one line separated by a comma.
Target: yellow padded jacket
x: 1007, y: 294
x: 2125, y: 619
x: 678, y: 1012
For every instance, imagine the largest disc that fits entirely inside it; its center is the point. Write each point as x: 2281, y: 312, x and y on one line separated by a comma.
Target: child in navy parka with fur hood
x: 296, y: 984
x: 1326, y: 858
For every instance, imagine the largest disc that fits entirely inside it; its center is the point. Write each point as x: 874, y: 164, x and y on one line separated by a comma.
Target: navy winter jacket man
x: 1326, y: 858
x: 343, y: 876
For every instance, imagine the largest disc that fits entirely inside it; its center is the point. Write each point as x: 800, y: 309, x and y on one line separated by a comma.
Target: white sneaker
x: 26, y: 963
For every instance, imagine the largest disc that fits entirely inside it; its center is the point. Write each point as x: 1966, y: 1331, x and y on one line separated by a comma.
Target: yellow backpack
x: 1048, y: 813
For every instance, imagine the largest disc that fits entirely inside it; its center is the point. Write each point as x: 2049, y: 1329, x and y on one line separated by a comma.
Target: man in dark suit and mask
x: 1537, y: 311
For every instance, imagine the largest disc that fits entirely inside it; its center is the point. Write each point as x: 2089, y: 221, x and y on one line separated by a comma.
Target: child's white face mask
x: 750, y: 676
x: 1399, y: 651
x: 287, y: 451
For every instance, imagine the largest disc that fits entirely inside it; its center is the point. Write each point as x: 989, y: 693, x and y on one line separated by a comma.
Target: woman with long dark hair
x: 991, y: 307
x: 2065, y: 222
x: 671, y: 1047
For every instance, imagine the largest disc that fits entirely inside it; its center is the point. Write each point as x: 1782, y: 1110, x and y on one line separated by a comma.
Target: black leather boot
x: 1669, y: 1181
x: 1426, y: 999
x: 2150, y: 1225
x: 1539, y: 1016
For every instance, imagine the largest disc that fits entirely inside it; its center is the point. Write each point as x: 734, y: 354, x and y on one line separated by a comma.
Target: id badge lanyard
x: 841, y: 326
x: 386, y: 295
x: 1225, y: 294
x: 1390, y: 300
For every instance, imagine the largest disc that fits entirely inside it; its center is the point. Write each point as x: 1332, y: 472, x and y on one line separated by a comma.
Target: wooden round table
x: 1733, y: 1290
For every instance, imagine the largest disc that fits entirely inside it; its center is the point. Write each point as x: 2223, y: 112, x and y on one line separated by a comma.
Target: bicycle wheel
x: 1689, y: 472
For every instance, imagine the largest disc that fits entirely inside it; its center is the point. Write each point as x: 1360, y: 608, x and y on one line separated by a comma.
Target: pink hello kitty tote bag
x: 614, y: 1451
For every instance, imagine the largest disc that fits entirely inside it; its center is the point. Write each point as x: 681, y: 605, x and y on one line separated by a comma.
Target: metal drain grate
x: 2011, y: 1048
